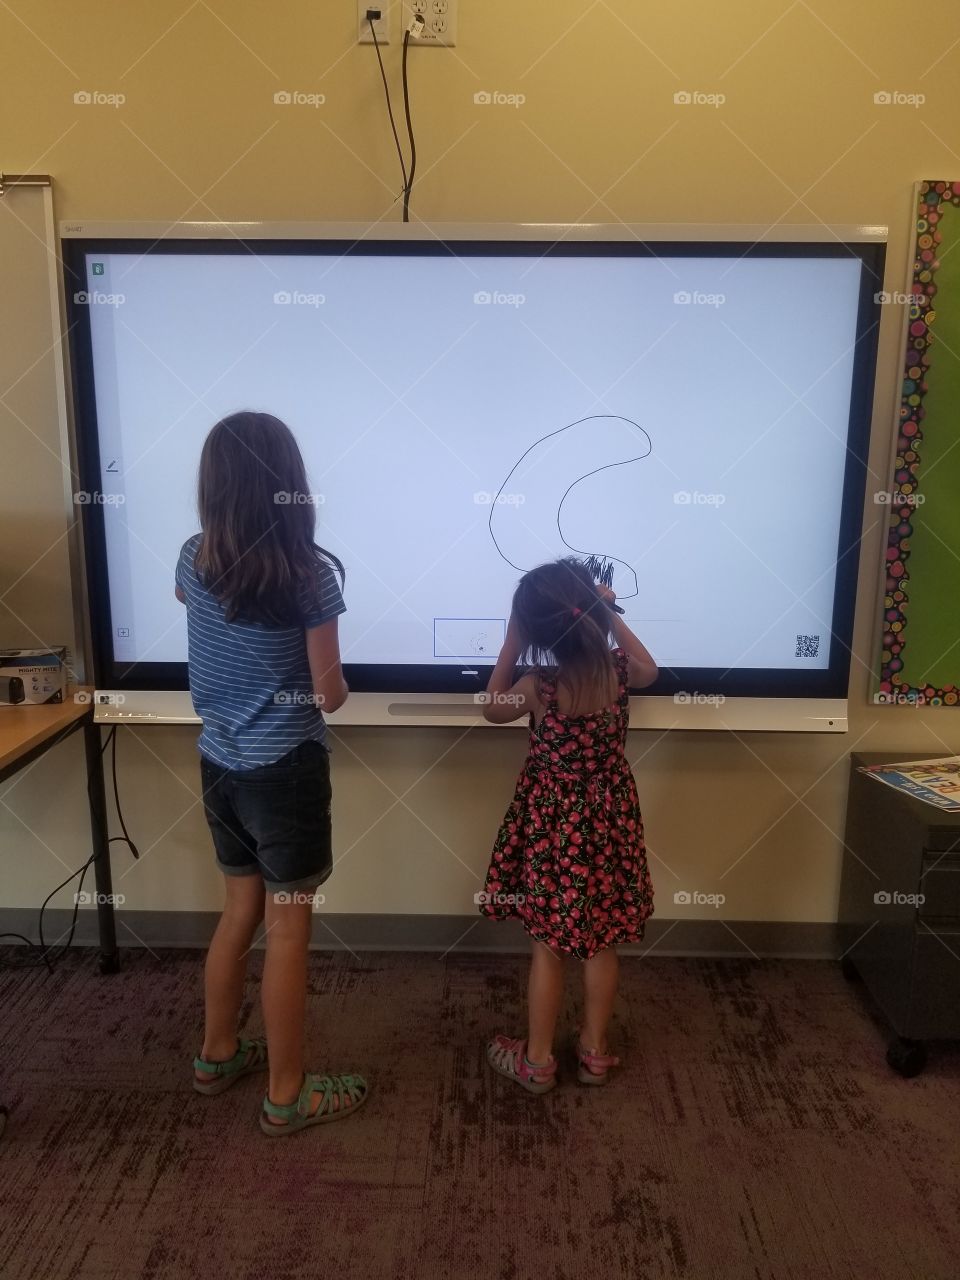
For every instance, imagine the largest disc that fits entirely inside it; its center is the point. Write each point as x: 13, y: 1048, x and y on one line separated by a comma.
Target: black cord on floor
x: 25, y: 964
x: 51, y: 955
x: 53, y: 949
x: 408, y: 187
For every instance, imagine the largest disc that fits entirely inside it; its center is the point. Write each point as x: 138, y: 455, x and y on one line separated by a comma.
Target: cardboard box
x: 30, y: 676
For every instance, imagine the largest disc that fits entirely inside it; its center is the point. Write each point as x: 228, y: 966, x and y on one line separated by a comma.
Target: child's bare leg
x: 284, y: 992
x: 284, y: 997
x: 226, y: 966
x: 600, y: 975
x: 544, y: 993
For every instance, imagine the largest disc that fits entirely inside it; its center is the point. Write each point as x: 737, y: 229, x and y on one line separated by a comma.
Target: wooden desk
x: 23, y: 729
x: 27, y: 733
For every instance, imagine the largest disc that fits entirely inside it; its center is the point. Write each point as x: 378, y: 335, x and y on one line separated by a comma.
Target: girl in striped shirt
x: 262, y: 604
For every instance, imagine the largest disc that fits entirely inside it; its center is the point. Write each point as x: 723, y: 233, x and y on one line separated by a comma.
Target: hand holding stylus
x: 608, y: 596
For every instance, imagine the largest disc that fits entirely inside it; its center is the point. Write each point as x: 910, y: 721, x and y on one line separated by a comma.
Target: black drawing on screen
x: 511, y: 524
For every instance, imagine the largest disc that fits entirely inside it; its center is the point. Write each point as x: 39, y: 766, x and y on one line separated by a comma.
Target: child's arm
x: 508, y: 700
x: 323, y: 652
x: 642, y: 668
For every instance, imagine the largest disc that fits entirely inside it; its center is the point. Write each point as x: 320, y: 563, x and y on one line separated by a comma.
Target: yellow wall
x: 798, y: 140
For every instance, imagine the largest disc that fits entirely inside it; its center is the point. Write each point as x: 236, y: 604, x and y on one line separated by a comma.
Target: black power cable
x: 125, y: 838
x: 386, y: 90
x: 49, y: 955
x: 45, y: 950
x: 408, y: 176
x: 408, y: 188
x: 25, y: 964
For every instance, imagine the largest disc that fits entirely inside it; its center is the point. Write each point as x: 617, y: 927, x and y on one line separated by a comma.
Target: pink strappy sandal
x: 593, y: 1068
x: 509, y: 1058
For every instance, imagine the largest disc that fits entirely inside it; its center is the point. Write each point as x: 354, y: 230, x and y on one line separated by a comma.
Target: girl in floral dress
x: 569, y: 860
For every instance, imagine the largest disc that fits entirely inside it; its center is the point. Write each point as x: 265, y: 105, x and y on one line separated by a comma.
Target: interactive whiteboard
x: 696, y: 414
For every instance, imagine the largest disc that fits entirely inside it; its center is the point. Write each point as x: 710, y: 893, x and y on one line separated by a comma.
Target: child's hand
x: 609, y: 598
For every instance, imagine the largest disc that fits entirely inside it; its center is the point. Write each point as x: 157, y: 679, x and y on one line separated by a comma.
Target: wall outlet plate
x: 381, y: 25
x: 439, y: 21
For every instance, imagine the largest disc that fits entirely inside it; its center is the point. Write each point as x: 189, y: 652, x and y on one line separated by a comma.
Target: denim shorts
x: 272, y: 821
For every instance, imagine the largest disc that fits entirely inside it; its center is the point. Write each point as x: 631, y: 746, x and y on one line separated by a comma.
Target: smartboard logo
x: 94, y: 298
x: 494, y: 98
x: 694, y: 98
x: 296, y: 98
x: 94, y: 98
x: 894, y: 98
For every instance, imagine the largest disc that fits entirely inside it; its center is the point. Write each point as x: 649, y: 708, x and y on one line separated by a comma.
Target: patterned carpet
x: 755, y: 1131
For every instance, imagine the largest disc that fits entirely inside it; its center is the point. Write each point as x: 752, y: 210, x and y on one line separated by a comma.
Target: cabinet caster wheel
x: 110, y: 963
x: 906, y: 1057
x: 849, y: 969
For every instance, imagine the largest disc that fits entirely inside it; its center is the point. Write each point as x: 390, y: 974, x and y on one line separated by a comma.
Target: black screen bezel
x: 830, y: 682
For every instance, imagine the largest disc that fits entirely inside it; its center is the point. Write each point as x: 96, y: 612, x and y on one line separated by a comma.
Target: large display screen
x: 695, y: 415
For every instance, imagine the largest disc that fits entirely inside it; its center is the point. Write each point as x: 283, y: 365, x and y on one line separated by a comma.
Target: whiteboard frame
x: 791, y: 233
x: 811, y: 715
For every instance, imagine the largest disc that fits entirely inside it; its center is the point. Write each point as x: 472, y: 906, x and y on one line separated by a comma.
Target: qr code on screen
x: 807, y: 646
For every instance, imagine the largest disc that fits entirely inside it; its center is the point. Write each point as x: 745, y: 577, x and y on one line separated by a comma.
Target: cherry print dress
x: 569, y: 860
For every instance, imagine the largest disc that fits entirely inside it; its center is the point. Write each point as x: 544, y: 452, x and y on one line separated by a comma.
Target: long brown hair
x: 258, y: 520
x: 563, y: 622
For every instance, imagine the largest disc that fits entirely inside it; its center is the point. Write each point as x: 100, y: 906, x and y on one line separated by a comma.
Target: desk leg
x: 109, y: 955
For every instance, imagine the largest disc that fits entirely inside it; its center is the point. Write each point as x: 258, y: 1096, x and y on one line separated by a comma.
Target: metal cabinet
x: 899, y: 915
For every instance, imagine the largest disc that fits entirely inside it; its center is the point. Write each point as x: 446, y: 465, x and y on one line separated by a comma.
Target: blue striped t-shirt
x: 251, y: 683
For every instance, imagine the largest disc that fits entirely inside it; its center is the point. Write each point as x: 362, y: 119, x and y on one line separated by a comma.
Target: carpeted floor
x: 755, y: 1131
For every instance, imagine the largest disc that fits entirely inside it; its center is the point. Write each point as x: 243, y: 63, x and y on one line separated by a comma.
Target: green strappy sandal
x: 251, y: 1056
x: 296, y: 1115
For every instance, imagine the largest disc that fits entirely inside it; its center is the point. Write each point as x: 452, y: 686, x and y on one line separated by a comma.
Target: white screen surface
x: 420, y: 386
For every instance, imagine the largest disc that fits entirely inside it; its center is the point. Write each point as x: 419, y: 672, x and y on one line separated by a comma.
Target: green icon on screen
x: 98, y: 268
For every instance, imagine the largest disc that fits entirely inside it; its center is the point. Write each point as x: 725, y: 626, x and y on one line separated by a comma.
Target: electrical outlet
x: 439, y: 21
x: 381, y: 24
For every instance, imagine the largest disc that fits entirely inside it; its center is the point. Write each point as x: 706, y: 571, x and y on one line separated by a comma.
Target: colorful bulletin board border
x: 920, y: 656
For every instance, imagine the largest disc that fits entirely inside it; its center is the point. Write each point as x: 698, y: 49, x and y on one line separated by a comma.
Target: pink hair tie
x: 577, y: 612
